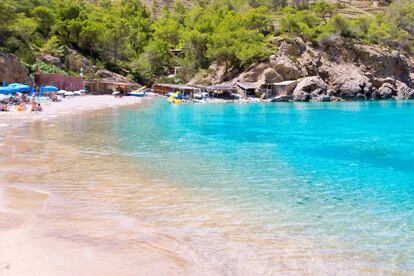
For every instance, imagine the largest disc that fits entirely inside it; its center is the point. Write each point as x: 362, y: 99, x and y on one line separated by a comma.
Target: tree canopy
x: 149, y: 41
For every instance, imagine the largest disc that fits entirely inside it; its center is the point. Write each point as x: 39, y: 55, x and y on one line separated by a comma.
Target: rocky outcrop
x: 340, y: 69
x: 12, y: 70
x: 404, y: 92
x: 311, y: 89
x: 348, y: 82
x: 51, y: 60
x: 287, y: 69
x: 386, y: 91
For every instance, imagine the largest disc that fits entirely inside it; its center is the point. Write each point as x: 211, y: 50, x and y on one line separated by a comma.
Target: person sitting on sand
x: 33, y: 103
x: 24, y: 98
x: 20, y: 107
x: 39, y: 108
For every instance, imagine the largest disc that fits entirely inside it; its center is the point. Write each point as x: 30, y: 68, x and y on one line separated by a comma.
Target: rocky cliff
x: 335, y: 70
x: 12, y: 70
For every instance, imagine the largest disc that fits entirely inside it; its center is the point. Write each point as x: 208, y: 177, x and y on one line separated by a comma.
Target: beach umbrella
x: 18, y: 87
x: 50, y: 88
x: 33, y: 91
x: 7, y: 90
x: 4, y: 90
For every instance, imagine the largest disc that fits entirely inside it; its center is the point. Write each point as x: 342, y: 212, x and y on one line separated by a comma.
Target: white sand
x: 71, y: 105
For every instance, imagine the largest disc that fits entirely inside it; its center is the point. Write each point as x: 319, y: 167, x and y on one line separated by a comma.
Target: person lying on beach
x: 54, y: 98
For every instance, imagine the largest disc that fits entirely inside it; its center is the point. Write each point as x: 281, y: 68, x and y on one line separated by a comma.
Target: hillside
x: 145, y: 41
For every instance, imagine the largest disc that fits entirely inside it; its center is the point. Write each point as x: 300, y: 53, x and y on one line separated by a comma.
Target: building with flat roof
x: 165, y: 88
x: 109, y: 86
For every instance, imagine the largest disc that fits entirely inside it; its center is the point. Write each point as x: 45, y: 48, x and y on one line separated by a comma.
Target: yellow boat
x: 174, y: 98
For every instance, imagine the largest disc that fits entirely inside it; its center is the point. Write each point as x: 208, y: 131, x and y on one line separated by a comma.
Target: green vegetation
x: 147, y: 42
x: 395, y: 28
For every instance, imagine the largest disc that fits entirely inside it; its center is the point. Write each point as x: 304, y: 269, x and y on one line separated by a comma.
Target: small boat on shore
x: 175, y: 98
x: 141, y: 92
x: 137, y: 94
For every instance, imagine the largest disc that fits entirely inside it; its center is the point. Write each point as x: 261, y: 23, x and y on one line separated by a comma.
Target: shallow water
x: 289, y: 188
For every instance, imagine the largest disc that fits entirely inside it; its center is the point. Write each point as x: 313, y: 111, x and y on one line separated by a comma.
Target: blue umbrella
x: 50, y: 88
x: 17, y: 87
x: 7, y: 90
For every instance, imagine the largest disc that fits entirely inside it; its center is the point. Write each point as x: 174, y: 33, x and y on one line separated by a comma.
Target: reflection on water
x: 229, y: 189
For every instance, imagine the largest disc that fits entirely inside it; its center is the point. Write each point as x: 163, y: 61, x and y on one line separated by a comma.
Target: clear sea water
x: 286, y: 188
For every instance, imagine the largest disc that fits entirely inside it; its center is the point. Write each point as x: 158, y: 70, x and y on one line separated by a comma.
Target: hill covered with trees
x: 149, y: 40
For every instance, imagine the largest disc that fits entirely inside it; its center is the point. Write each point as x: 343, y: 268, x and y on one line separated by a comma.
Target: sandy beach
x: 33, y: 242
x: 69, y: 105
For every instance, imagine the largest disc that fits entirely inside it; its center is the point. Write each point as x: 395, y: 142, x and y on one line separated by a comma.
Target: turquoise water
x: 286, y: 188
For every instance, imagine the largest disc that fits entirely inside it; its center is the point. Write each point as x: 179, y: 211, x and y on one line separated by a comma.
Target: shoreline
x: 68, y: 106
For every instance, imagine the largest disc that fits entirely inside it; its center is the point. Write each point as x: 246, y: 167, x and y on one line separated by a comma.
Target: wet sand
x: 30, y: 245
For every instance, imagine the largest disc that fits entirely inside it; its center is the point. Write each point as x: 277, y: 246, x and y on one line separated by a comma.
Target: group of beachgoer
x: 21, y: 101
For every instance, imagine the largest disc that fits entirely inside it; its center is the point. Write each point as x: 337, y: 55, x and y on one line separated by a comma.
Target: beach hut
x: 110, y: 86
x: 221, y: 91
x: 284, y: 88
x: 186, y: 90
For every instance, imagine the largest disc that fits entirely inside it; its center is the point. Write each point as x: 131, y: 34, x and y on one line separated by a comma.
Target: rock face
x: 386, y: 91
x: 12, y: 70
x: 51, y: 60
x: 348, y: 82
x: 336, y: 70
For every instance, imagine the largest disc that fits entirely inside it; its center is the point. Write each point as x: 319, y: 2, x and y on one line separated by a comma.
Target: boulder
x: 300, y: 96
x: 271, y: 76
x: 12, y: 70
x: 281, y: 98
x: 51, y: 60
x: 387, y: 91
x: 404, y: 92
x: 287, y: 69
x: 348, y: 81
x: 310, y: 88
x: 324, y: 98
x: 293, y: 48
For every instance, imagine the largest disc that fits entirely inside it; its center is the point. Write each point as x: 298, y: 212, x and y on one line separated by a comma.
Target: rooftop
x: 246, y: 85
